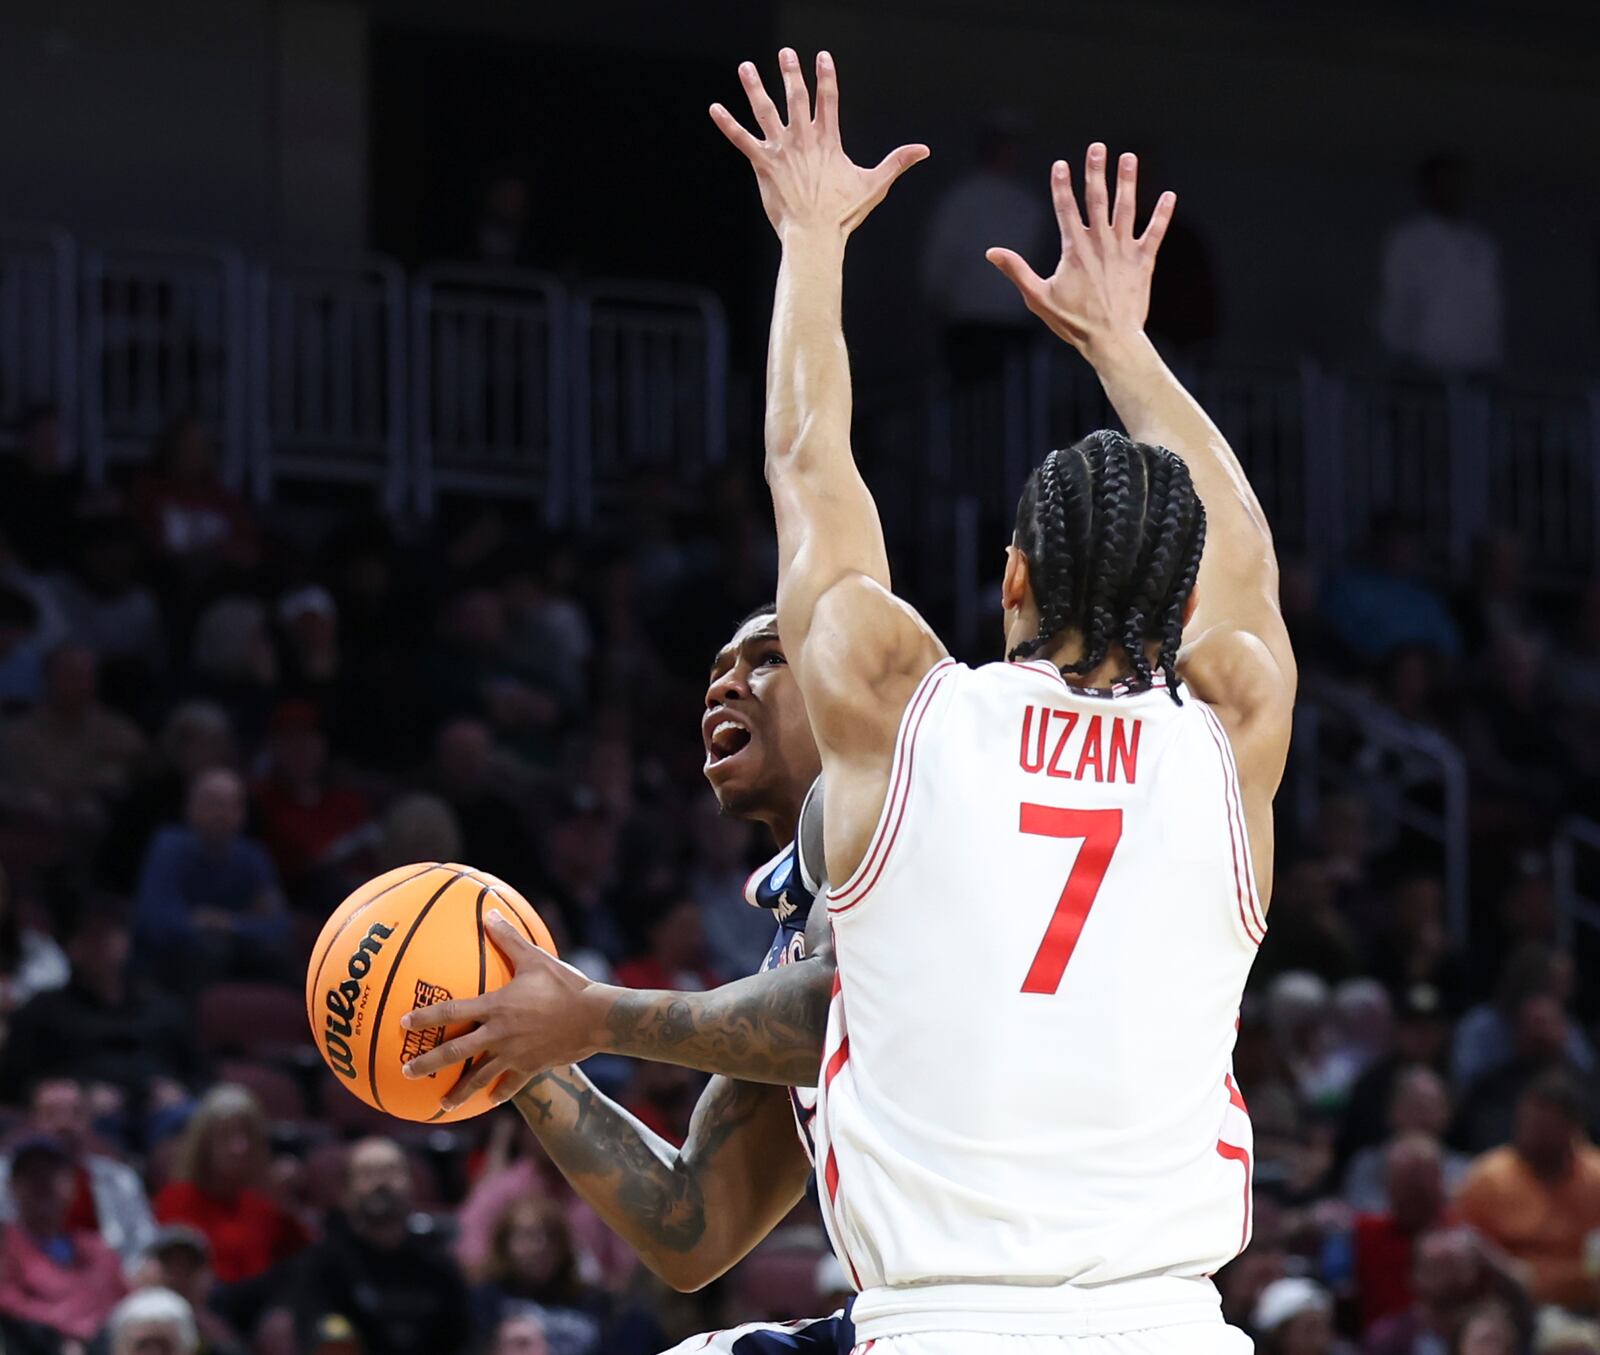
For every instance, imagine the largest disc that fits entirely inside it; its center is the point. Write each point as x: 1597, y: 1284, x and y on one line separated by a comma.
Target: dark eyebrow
x: 725, y: 655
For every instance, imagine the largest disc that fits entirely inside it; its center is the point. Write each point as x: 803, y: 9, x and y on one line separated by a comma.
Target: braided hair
x: 1113, y: 531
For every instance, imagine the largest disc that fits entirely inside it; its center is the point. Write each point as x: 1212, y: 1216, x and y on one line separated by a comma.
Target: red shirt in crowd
x: 70, y: 1286
x: 1383, y: 1266
x: 300, y: 834
x: 249, y: 1234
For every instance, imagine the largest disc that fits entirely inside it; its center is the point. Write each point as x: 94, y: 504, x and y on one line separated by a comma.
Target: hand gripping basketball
x: 538, y: 1020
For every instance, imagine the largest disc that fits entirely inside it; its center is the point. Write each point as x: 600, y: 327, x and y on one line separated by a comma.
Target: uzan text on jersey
x: 1064, y: 743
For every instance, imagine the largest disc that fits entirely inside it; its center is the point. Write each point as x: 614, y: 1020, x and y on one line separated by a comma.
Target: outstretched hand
x: 806, y: 178
x: 1101, y: 286
x: 538, y: 1020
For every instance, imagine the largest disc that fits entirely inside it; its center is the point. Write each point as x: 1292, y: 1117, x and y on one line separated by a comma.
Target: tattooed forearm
x: 767, y: 1028
x: 650, y: 1192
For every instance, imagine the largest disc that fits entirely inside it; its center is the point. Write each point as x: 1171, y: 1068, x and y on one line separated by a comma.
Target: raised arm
x: 857, y: 651
x: 1236, y: 655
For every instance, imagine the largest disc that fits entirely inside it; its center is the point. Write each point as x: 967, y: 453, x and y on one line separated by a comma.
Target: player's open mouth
x: 725, y: 739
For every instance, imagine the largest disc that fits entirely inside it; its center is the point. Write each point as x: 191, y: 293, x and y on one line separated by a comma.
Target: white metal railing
x: 163, y: 335
x: 1575, y: 861
x: 650, y: 383
x: 328, y: 375
x: 489, y: 386
x: 38, y: 325
x: 1410, y: 776
x: 494, y: 381
x: 1539, y: 477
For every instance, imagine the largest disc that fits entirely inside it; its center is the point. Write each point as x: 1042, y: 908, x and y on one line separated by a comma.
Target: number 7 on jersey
x: 1101, y: 830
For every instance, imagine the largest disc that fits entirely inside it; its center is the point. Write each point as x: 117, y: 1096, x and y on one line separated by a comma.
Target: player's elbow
x: 685, y: 1272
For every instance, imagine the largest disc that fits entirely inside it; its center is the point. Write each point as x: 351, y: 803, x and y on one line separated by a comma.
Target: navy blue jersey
x: 834, y: 1335
x: 785, y: 888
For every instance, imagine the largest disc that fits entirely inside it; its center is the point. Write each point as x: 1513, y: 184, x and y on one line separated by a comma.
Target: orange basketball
x: 410, y: 938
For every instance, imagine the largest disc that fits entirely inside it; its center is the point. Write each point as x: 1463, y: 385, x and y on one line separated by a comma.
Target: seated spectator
x: 311, y: 668
x: 108, y: 1197
x: 1538, y: 1197
x: 62, y: 1279
x: 1490, y: 1104
x: 74, y: 749
x: 30, y: 960
x: 495, y: 833
x: 196, y: 737
x: 472, y: 672
x: 1485, y: 1038
x: 580, y: 876
x: 1420, y: 1104
x: 318, y: 829
x: 533, y: 1260
x: 545, y: 629
x: 1416, y: 948
x: 521, y: 1333
x: 1414, y: 1180
x: 1516, y: 759
x: 106, y: 607
x: 1490, y: 1329
x: 1385, y: 605
x: 21, y: 650
x: 677, y: 955
x: 419, y: 828
x: 40, y: 490
x: 105, y: 1026
x: 1445, y: 1283
x: 1299, y: 1011
x: 399, y: 1292
x: 1560, y: 1333
x: 190, y: 516
x: 1311, y: 933
x: 1294, y: 1316
x: 209, y: 903
x: 220, y: 1185
x: 153, y: 1322
x: 1496, y: 607
x: 179, y: 1259
x: 736, y: 935
x: 232, y: 660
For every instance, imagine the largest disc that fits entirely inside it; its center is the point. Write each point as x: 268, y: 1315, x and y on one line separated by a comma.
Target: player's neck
x: 1115, y: 667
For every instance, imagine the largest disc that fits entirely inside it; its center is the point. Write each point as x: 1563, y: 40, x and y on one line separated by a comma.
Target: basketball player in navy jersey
x: 691, y: 1213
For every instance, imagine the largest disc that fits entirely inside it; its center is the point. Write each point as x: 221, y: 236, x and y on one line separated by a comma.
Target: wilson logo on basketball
x: 344, y: 1002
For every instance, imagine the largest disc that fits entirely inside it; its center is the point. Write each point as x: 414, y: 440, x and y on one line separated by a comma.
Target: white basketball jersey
x: 1028, y: 1073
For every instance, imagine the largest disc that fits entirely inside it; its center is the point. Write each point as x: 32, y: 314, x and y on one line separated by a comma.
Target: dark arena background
x: 380, y: 470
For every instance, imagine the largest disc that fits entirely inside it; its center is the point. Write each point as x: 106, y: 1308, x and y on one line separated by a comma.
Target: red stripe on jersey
x: 902, y: 783
x: 1254, y: 927
x: 1239, y: 886
x: 1234, y: 1153
x: 840, y: 1056
x: 899, y: 789
x: 1233, y: 1093
x: 923, y: 694
x: 1244, y: 836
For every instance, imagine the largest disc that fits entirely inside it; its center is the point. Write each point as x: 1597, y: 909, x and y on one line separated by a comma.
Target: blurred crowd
x: 218, y: 720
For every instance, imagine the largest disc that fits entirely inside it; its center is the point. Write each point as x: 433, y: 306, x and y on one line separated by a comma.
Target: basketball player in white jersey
x: 1054, y: 869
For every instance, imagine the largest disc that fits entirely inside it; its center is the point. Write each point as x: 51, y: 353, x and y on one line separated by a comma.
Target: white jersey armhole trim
x: 1250, y: 918
x: 865, y: 875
